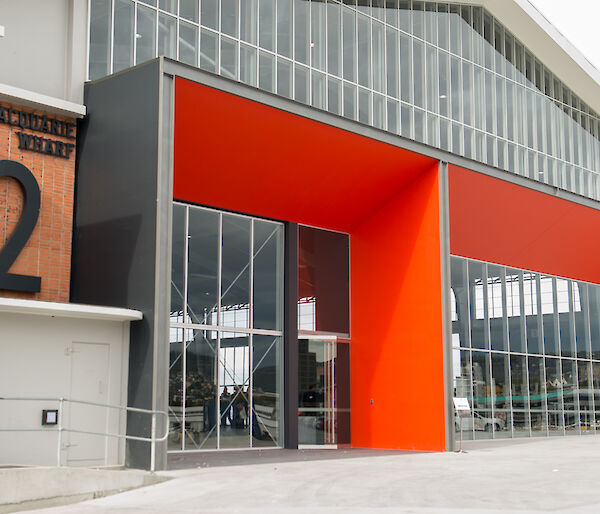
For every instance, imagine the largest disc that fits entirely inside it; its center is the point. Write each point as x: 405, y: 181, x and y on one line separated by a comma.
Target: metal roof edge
x: 67, y: 310
x: 38, y: 101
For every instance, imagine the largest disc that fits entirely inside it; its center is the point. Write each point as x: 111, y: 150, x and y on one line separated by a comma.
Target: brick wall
x: 47, y: 254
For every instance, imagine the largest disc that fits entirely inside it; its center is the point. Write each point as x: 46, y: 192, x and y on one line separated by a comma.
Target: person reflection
x: 209, y: 408
x: 240, y: 409
x: 225, y: 408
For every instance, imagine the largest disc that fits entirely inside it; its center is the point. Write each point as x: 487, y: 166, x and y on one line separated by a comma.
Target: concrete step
x: 25, y: 488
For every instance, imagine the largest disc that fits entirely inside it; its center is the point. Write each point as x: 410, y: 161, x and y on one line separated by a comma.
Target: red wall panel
x: 397, y: 349
x: 240, y: 155
x: 496, y: 221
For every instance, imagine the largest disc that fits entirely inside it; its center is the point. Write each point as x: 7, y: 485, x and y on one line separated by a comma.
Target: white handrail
x: 60, y: 429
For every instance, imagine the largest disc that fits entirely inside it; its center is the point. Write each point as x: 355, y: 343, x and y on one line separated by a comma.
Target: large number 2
x: 23, y: 230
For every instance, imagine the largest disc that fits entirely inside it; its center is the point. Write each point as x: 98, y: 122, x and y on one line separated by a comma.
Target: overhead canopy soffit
x: 272, y: 163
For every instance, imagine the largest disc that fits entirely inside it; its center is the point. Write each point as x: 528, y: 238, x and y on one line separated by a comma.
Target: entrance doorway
x: 317, y: 392
x: 226, y: 338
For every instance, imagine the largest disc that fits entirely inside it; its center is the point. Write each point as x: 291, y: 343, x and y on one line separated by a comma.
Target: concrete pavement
x: 540, y: 475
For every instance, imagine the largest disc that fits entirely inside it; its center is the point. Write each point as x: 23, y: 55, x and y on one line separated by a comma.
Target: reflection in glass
x: 580, y: 314
x: 496, y: 303
x: 483, y: 420
x: 533, y: 321
x: 594, y: 299
x: 209, y: 13
x: 266, y: 390
x: 565, y: 309
x: 267, y: 284
x: 460, y: 311
x: 229, y: 21
x: 200, y: 390
x: 550, y: 320
x: 586, y: 397
x: 520, y: 395
x: 123, y: 36
x: 177, y: 262
x: 209, y: 50
x: 514, y: 283
x: 145, y: 36
x: 229, y: 58
x: 248, y: 20
x: 234, y: 390
x: 284, y: 27
x: 284, y: 78
x: 99, y: 58
x: 175, y: 389
x: 301, y: 30
x: 349, y: 43
x: 537, y: 396
x: 323, y: 280
x: 596, y: 384
x: 188, y: 9
x: 528, y: 394
x: 317, y: 35
x: 570, y: 400
x: 266, y: 71
x: 167, y: 36
x: 203, y: 241
x: 501, y: 396
x: 235, y: 272
x: 342, y: 393
x: 316, y: 392
x: 248, y: 65
x: 364, y: 51
x: 554, y: 396
x: 463, y: 388
x: 216, y: 373
x: 188, y: 43
x: 477, y: 297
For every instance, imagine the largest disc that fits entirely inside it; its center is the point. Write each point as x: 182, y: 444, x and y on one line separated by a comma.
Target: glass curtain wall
x: 447, y: 75
x: 225, y: 383
x: 526, y: 352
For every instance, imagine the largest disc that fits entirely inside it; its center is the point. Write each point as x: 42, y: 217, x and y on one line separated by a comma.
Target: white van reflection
x: 479, y: 422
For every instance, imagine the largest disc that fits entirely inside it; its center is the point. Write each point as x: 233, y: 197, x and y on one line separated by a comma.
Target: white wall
x: 45, y: 46
x: 37, y: 358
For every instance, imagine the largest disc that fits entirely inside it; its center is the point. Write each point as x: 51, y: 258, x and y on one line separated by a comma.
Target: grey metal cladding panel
x: 114, y: 244
x: 116, y: 186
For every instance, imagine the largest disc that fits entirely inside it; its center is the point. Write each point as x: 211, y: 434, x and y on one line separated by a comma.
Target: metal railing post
x: 153, y: 444
x: 60, y: 431
x: 60, y: 426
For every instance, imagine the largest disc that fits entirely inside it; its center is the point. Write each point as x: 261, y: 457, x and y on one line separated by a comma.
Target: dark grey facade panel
x: 290, y: 327
x: 115, y: 233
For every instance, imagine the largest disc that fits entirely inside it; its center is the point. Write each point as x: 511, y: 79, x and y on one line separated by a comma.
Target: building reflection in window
x: 526, y: 351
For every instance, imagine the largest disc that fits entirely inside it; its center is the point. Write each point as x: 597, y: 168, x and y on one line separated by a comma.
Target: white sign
x: 462, y: 405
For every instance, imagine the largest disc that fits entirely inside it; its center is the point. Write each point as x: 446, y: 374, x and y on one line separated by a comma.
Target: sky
x: 577, y: 20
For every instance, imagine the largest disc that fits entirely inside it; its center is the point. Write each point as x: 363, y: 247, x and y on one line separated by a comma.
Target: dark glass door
x: 317, y: 392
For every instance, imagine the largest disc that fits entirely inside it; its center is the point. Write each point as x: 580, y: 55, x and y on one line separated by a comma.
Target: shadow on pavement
x: 212, y: 459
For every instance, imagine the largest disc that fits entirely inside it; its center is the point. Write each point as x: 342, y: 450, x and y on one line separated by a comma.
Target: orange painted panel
x: 397, y: 348
x: 503, y: 223
x: 244, y: 156
x: 240, y: 155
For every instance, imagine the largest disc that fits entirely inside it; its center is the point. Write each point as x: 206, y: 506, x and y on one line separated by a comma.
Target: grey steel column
x: 290, y: 338
x: 446, y: 314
